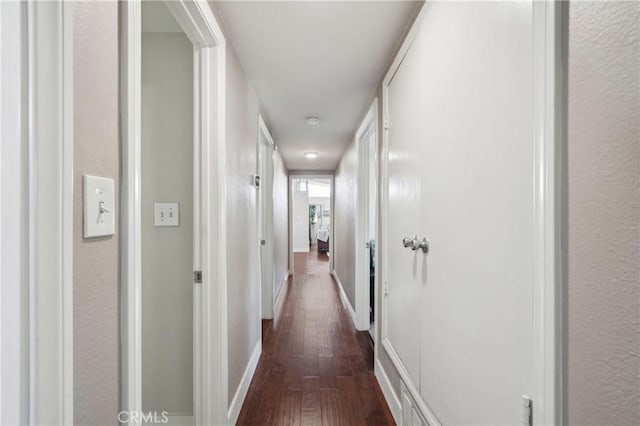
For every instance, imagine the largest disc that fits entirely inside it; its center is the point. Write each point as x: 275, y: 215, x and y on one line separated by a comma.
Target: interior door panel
x: 461, y: 173
x: 403, y: 300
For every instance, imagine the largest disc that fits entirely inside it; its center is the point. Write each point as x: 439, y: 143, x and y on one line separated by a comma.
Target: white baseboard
x: 389, y: 395
x: 345, y: 299
x: 279, y: 290
x: 243, y: 387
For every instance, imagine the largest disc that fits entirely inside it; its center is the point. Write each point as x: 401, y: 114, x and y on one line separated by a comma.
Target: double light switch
x: 166, y: 214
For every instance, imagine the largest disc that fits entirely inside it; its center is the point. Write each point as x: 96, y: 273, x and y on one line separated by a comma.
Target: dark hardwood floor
x: 315, y: 368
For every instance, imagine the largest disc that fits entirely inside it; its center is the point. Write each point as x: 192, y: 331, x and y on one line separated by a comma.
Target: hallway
x: 469, y: 172
x: 315, y: 367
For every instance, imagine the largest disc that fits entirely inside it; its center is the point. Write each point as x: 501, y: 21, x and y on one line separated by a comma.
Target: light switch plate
x: 99, y: 206
x: 166, y: 214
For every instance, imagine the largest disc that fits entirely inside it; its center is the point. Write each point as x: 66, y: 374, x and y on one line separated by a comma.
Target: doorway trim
x: 550, y: 32
x: 266, y: 304
x: 36, y: 249
x: 45, y: 145
x: 368, y: 127
x: 550, y: 26
x: 301, y: 174
x: 210, y: 314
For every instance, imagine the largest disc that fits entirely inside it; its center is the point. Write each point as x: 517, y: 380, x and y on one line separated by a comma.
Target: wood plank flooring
x: 315, y: 368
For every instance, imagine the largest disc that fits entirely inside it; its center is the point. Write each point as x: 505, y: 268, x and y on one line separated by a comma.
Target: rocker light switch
x: 166, y: 214
x: 99, y: 206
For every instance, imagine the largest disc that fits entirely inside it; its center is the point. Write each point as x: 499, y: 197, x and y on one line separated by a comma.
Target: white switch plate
x: 99, y: 206
x: 166, y: 214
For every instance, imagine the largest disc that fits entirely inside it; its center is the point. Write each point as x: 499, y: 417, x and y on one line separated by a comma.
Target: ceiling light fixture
x: 311, y: 155
x: 313, y: 120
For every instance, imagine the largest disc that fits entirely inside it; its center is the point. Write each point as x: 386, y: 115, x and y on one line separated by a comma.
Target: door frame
x: 210, y: 309
x: 50, y: 68
x: 300, y: 174
x: 36, y: 249
x: 368, y: 126
x: 549, y: 139
x: 267, y: 304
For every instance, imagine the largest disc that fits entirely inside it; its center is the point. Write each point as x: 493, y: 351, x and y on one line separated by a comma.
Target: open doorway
x: 370, y: 157
x: 366, y: 270
x: 171, y: 61
x: 311, y: 223
x: 266, y: 219
x: 168, y: 225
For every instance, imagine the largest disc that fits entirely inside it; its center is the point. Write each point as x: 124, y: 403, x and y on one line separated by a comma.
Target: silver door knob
x: 423, y: 245
x: 408, y: 242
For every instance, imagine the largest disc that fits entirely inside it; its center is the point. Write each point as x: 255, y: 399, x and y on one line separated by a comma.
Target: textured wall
x: 243, y: 267
x: 280, y: 222
x: 603, y: 377
x: 167, y: 252
x: 344, y: 221
x: 95, y: 261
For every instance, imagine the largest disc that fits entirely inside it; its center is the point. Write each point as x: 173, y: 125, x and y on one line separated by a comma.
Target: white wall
x: 603, y: 375
x: 280, y: 222
x: 243, y: 259
x: 167, y: 252
x: 325, y: 202
x: 300, y: 227
x: 344, y: 221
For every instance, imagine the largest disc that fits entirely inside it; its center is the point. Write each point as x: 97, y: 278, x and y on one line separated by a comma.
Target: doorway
x: 366, y: 231
x: 311, y: 216
x: 172, y: 201
x: 266, y: 218
x: 367, y: 199
x: 168, y: 225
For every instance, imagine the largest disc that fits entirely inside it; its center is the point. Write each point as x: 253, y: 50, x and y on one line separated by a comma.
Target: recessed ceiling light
x: 313, y: 120
x: 311, y: 155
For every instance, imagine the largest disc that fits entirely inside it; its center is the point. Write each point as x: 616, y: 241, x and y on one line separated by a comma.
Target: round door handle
x: 423, y: 245
x: 409, y: 242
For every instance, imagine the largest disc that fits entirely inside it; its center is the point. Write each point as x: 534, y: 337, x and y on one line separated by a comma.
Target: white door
x: 461, y: 174
x: 402, y: 307
x: 265, y: 217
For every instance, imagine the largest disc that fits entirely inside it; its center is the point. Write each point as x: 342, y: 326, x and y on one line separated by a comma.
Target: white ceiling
x: 322, y: 58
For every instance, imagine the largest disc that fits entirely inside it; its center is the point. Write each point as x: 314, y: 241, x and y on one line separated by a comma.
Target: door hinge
x: 197, y: 277
x: 386, y: 287
x: 387, y: 121
x: 527, y: 410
